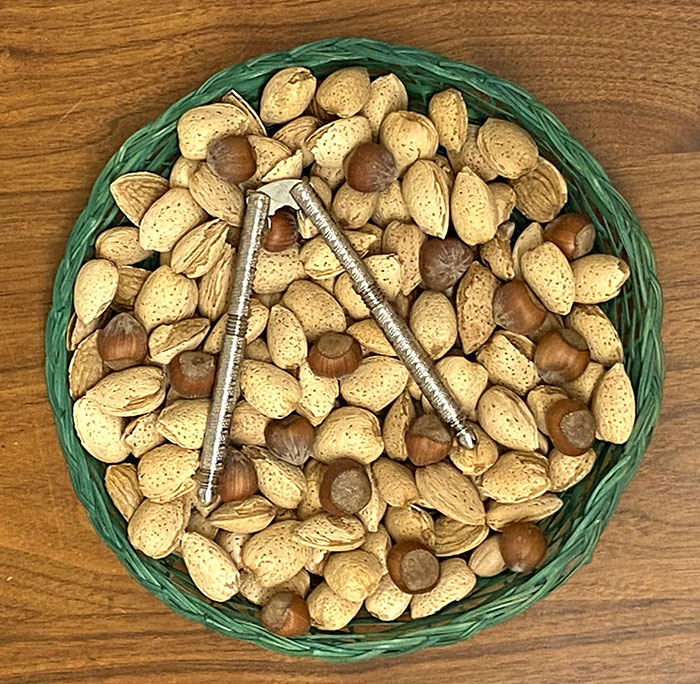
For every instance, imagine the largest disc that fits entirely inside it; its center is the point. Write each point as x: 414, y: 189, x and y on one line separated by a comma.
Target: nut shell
x: 427, y: 440
x: 238, y: 480
x: 574, y: 234
x: 413, y: 567
x: 334, y: 355
x: 561, y: 356
x: 370, y: 167
x: 523, y: 546
x: 192, y: 374
x: 345, y: 488
x: 286, y: 614
x: 571, y: 426
x: 231, y: 158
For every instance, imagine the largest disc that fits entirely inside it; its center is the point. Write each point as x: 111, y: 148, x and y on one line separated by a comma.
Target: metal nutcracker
x: 261, y: 204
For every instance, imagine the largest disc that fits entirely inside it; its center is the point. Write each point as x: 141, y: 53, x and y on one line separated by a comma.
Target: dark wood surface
x: 77, y: 77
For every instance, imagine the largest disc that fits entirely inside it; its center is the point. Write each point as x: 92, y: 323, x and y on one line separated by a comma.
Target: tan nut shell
x: 386, y: 94
x: 197, y: 252
x: 497, y: 255
x: 539, y: 399
x: 507, y: 147
x: 405, y: 240
x: 86, y: 368
x: 352, y: 209
x: 122, y: 485
x: 396, y: 422
x: 277, y: 270
x: 331, y: 143
x: 169, y: 218
x: 449, y: 114
x: 183, y: 169
x: 141, y: 435
x: 498, y: 515
x: 507, y: 419
x: 395, y: 482
x: 349, y: 431
x: 456, y: 582
x: 583, y: 387
x: 94, y: 288
x: 281, y: 482
x: 344, y: 92
x: 410, y: 523
x: 507, y: 357
x: 329, y: 611
x: 540, y: 193
x: 566, y: 471
x: 391, y: 206
x: 210, y: 567
x: 477, y: 460
x: 443, y: 487
x: 244, y: 517
x: 331, y: 533
x: 598, y: 277
x: 318, y: 395
x: 156, y: 529
x: 613, y: 405
x: 130, y: 392
x: 426, y: 194
x: 453, y: 538
x: 319, y: 260
x: 252, y: 590
x: 486, y: 559
x: 474, y: 303
x: 306, y: 229
x: 373, y: 513
x: 310, y: 503
x: 121, y: 246
x: 387, y: 271
x: 517, y: 476
x: 376, y: 382
x: 469, y: 156
x: 131, y: 281
x: 316, y: 309
x: 294, y: 134
x: 378, y: 544
x: 598, y: 331
x: 232, y: 543
x: 473, y: 208
x: 287, y: 94
x: 272, y: 391
x: 353, y: 575
x: 434, y: 323
x: 371, y: 338
x: 247, y: 425
x: 257, y: 350
x: 285, y: 338
x: 166, y: 297
x: 167, y: 341
x: 183, y: 422
x: 467, y: 381
x: 530, y: 238
x: 388, y: 602
x: 216, y: 196
x: 165, y: 473
x: 408, y: 136
x: 135, y: 192
x: 198, y: 127
x: 504, y: 196
x: 257, y: 321
x: 548, y: 272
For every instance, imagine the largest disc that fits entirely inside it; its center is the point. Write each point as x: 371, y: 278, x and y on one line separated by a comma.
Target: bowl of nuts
x: 350, y: 522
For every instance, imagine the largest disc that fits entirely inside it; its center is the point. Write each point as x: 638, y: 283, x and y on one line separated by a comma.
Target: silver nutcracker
x: 300, y: 195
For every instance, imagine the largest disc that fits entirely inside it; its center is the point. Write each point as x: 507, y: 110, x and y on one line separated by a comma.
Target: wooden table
x: 76, y: 78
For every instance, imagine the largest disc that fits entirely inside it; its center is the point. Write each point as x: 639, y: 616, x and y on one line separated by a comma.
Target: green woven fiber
x: 573, y: 532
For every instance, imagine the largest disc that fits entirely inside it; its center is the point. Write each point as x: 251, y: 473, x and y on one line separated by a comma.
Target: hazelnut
x: 443, y: 262
x: 123, y: 342
x: 291, y: 438
x: 282, y: 233
x: 334, y: 355
x: 516, y: 308
x: 413, y: 567
x: 238, y: 480
x: 522, y: 546
x: 427, y: 440
x: 370, y: 167
x: 574, y: 234
x: 286, y: 614
x: 561, y: 356
x: 232, y: 158
x: 192, y: 374
x: 345, y: 488
x: 571, y: 426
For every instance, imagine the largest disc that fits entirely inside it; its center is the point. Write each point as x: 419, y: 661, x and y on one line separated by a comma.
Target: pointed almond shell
x: 94, y: 288
x: 156, y: 529
x: 613, y: 405
x: 135, y: 192
x: 198, y: 127
x: 122, y: 485
x: 210, y: 567
x: 507, y: 420
x: 165, y: 473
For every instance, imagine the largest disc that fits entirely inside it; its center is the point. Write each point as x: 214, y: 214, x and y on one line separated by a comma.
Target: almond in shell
x: 94, y: 288
x: 598, y: 277
x: 330, y: 533
x: 198, y: 127
x: 166, y: 472
x: 135, y: 192
x: 408, y: 136
x: 517, y: 476
x: 329, y: 611
x: 548, y: 272
x: 387, y: 602
x: 156, y: 529
x: 331, y: 143
x: 247, y: 425
x: 469, y: 156
x: 396, y: 423
x: 508, y: 148
x: 376, y: 382
x: 473, y: 208
x: 349, y: 431
x: 474, y: 303
x: 272, y: 391
x: 141, y: 435
x: 596, y: 328
x: 86, y: 368
x: 353, y: 575
x: 130, y: 282
x: 166, y: 297
x: 426, y: 194
x: 167, y: 341
x: 507, y: 419
x: 434, y: 323
x: 255, y: 592
x: 466, y: 380
x: 486, y: 559
x: 130, y: 392
x: 449, y: 114
x: 210, y: 567
x: 498, y: 515
x: 613, y: 405
x: 507, y: 358
x: 244, y: 517
x: 540, y: 193
x: 316, y: 309
x: 168, y: 219
x: 386, y: 94
x: 410, y: 523
x: 287, y: 94
x: 122, y: 485
x: 318, y: 395
x: 455, y: 583
x: 566, y: 471
x: 371, y: 338
x: 477, y: 460
x: 183, y: 422
x: 121, y: 246
x: 453, y: 538
x: 395, y: 482
x: 344, y: 92
x: 281, y: 482
x: 391, y: 206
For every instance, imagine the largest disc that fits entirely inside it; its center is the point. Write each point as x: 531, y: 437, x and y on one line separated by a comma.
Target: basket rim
x: 339, y: 646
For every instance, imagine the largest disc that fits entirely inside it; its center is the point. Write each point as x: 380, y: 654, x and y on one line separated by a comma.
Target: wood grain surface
x: 77, y: 77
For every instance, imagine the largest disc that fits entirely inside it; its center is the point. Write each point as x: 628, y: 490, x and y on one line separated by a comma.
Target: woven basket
x: 573, y: 531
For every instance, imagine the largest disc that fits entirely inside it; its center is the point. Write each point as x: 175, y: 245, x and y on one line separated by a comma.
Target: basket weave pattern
x: 573, y: 532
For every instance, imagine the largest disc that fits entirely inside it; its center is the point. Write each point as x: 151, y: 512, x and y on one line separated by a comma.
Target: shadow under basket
x: 573, y: 532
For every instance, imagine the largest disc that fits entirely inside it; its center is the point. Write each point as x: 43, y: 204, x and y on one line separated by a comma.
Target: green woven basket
x: 573, y: 531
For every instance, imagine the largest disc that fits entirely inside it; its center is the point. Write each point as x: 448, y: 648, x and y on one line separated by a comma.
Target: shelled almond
x: 343, y: 489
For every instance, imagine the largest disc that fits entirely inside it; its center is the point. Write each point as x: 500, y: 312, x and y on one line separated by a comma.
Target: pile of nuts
x: 342, y: 489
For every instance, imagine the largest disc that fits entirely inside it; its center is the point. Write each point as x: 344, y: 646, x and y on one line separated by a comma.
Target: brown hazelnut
x: 238, y: 480
x: 427, y: 440
x: 574, y: 234
x: 522, y: 546
x: 123, y: 342
x: 192, y: 374
x: 334, y: 355
x: 571, y: 426
x: 370, y: 167
x: 443, y: 262
x: 516, y: 308
x: 232, y: 158
x: 291, y: 438
x: 413, y: 567
x: 345, y: 488
x: 286, y: 614
x: 561, y: 356
x: 282, y: 233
